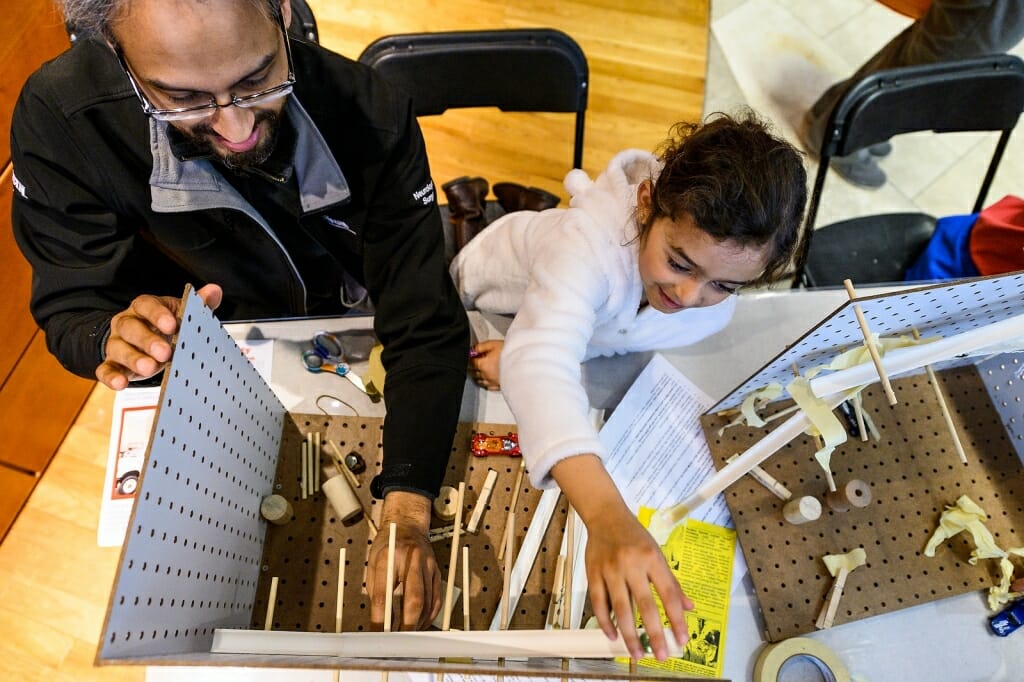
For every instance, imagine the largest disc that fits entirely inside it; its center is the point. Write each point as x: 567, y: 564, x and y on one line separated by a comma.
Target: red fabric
x: 997, y: 240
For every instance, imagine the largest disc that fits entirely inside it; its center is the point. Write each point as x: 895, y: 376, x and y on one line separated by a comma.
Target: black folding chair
x: 980, y: 94
x: 303, y: 24
x: 537, y: 69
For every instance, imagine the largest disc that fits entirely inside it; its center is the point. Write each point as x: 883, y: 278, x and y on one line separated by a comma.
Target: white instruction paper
x: 657, y: 454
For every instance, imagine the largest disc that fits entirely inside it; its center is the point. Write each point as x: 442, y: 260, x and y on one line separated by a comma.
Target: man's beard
x: 199, y: 141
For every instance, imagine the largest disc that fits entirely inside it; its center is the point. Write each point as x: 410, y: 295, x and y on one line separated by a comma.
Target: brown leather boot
x: 515, y: 197
x: 466, y: 197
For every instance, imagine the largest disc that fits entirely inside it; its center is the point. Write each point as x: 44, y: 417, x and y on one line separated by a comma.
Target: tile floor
x: 777, y: 56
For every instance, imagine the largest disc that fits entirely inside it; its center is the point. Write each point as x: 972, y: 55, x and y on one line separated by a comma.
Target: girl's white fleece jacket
x: 572, y: 280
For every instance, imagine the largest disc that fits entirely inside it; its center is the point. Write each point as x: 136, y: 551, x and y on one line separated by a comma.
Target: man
x: 946, y: 30
x: 184, y: 141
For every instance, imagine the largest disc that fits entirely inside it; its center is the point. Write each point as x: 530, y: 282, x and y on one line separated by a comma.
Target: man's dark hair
x: 93, y: 18
x: 738, y: 182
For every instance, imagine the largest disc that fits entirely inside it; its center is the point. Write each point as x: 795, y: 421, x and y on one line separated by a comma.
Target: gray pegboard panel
x: 191, y: 558
x: 1003, y: 376
x: 936, y: 310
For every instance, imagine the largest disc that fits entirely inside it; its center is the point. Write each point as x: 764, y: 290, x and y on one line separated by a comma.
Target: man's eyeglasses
x: 207, y: 110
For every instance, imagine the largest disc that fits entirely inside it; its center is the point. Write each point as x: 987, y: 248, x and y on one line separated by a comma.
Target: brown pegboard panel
x: 303, y: 554
x: 914, y: 473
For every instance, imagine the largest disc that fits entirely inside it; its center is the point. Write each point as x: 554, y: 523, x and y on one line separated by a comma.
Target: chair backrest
x: 511, y: 69
x: 983, y: 93
x: 303, y: 24
x: 978, y: 94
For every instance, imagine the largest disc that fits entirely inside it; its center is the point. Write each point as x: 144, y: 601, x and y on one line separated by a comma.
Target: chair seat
x: 876, y: 249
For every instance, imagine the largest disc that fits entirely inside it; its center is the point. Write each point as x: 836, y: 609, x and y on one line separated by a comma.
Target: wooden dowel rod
x: 305, y: 469
x: 481, y: 502
x: 389, y: 587
x: 570, y: 555
x: 516, y: 487
x: 316, y: 462
x: 339, y: 604
x: 869, y: 341
x: 858, y: 409
x: 453, y: 564
x: 557, y: 594
x: 271, y: 603
x: 506, y: 580
x: 465, y: 587
x: 829, y: 613
x: 946, y: 415
x: 767, y: 480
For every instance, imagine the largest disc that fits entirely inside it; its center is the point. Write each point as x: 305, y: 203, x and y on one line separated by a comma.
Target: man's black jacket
x: 104, y: 213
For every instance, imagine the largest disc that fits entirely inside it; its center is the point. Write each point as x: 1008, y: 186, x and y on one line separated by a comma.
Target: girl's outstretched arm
x: 623, y: 560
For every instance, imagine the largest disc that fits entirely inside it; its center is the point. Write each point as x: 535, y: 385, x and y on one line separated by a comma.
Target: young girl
x: 647, y: 256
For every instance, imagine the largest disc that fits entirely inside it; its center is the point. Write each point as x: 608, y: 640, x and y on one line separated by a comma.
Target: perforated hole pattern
x: 303, y: 554
x: 941, y: 310
x: 913, y: 472
x: 191, y: 559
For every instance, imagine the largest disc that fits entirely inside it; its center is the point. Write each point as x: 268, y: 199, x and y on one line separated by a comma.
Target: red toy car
x: 482, y: 445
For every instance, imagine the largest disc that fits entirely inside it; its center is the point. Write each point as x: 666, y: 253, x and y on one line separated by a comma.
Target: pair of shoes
x: 514, y: 197
x: 466, y: 198
x: 859, y: 168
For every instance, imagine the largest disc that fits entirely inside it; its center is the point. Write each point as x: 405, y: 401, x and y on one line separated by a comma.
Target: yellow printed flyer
x: 701, y: 556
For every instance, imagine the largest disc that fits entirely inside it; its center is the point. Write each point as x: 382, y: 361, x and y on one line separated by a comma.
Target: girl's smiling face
x: 681, y: 266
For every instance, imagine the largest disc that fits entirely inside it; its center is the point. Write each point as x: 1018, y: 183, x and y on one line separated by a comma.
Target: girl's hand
x: 623, y: 560
x: 483, y: 364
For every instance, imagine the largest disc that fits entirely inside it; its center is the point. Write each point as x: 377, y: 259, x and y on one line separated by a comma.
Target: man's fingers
x: 112, y: 376
x: 415, y: 596
x: 158, y: 311
x: 124, y: 358
x: 376, y: 576
x: 212, y: 295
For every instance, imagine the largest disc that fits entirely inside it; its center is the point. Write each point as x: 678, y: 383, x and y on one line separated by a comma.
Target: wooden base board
x: 303, y: 554
x: 914, y: 473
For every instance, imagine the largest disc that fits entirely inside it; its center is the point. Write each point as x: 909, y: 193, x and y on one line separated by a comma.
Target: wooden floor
x: 647, y: 71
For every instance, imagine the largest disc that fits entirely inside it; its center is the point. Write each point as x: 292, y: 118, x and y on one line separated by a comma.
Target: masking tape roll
x: 774, y: 656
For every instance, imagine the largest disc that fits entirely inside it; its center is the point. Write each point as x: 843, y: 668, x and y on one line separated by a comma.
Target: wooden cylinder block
x: 446, y: 503
x: 856, y: 493
x: 276, y: 509
x: 342, y: 498
x: 802, y: 509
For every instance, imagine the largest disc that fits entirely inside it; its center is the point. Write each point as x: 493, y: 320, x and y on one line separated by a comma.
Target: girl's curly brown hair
x: 738, y: 181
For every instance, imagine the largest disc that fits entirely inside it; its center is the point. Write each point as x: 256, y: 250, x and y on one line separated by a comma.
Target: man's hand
x: 415, y: 566
x: 623, y: 560
x: 483, y: 364
x: 139, y: 342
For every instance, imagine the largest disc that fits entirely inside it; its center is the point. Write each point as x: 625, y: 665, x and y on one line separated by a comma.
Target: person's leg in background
x: 949, y: 30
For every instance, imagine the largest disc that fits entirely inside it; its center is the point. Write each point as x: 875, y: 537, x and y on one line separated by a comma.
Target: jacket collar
x: 178, y: 185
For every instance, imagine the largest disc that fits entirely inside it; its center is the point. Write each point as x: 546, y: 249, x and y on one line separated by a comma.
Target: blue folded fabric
x: 947, y: 255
